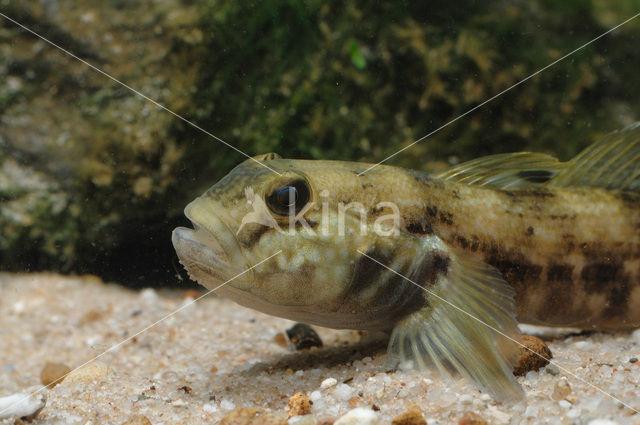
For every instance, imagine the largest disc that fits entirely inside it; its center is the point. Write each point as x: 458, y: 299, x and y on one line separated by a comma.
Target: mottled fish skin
x: 571, y: 254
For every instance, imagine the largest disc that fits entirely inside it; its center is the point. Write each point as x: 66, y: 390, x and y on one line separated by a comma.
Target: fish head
x: 315, y: 218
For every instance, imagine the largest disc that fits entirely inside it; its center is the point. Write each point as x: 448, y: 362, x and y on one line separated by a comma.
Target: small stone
x: 328, y: 383
x: 552, y: 369
x: 299, y: 404
x: 358, y: 416
x: 633, y: 360
x: 88, y: 373
x: 137, y: 420
x: 466, y: 399
x: 602, y: 422
x: 251, y: 416
x: 190, y: 294
x: 411, y: 417
x: 531, y: 412
x: 281, y: 339
x: 532, y: 361
x: 22, y: 405
x: 303, y: 336
x: 561, y: 390
x: 471, y: 418
x: 90, y: 317
x: 53, y: 373
x: 302, y: 420
x: 343, y: 392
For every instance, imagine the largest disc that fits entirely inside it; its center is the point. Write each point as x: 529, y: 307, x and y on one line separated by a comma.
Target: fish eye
x: 292, y: 196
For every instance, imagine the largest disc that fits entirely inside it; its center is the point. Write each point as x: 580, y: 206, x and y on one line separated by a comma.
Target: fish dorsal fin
x: 266, y: 157
x: 613, y: 162
x: 468, y: 324
x: 506, y: 171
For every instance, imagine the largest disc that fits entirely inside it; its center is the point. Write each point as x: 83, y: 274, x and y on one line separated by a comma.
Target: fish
x: 447, y: 264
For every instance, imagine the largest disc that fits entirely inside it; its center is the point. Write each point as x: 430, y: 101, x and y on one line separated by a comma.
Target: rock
x: 303, y: 336
x: 302, y: 420
x: 251, y: 416
x: 561, y: 390
x: 81, y: 157
x: 602, y: 422
x: 22, y: 405
x: 530, y: 361
x: 328, y: 383
x: 471, y: 418
x: 358, y: 416
x: 411, y: 417
x: 299, y: 404
x: 137, y: 420
x: 52, y: 374
x: 88, y: 373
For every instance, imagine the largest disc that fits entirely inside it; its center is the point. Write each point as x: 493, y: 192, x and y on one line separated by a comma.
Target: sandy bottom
x: 214, y: 356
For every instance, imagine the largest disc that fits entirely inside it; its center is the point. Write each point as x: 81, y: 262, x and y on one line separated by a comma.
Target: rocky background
x: 93, y: 177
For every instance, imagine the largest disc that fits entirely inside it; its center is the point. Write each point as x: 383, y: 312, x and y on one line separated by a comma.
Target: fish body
x: 447, y: 264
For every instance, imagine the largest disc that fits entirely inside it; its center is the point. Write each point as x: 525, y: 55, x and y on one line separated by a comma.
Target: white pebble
x: 602, y: 422
x: 302, y: 420
x: 532, y: 375
x: 21, y: 405
x: 315, y: 396
x: 583, y: 345
x: 227, y: 405
x: 343, y: 392
x: 565, y: 404
x: 358, y: 416
x: 466, y: 399
x: 328, y: 383
x: 636, y: 335
x: 149, y: 295
x: 209, y: 408
x: 573, y: 413
x: 531, y: 411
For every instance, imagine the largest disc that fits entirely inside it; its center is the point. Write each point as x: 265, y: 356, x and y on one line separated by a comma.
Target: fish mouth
x: 210, y: 252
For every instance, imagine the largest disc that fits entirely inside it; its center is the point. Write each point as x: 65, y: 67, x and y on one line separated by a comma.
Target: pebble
x: 471, y: 418
x: 529, y: 361
x: 602, y: 422
x: 250, y: 416
x: 302, y: 420
x: 358, y: 416
x: 22, y: 405
x: 636, y: 335
x: 299, y: 404
x: 531, y: 411
x: 411, y: 417
x: 561, y: 390
x: 328, y: 383
x: 343, y: 392
x: 88, y: 373
x: 137, y: 420
x: 303, y: 336
x: 51, y: 373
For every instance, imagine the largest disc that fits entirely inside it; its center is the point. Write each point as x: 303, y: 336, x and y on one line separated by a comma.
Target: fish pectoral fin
x: 468, y: 326
x: 613, y: 162
x: 506, y: 171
